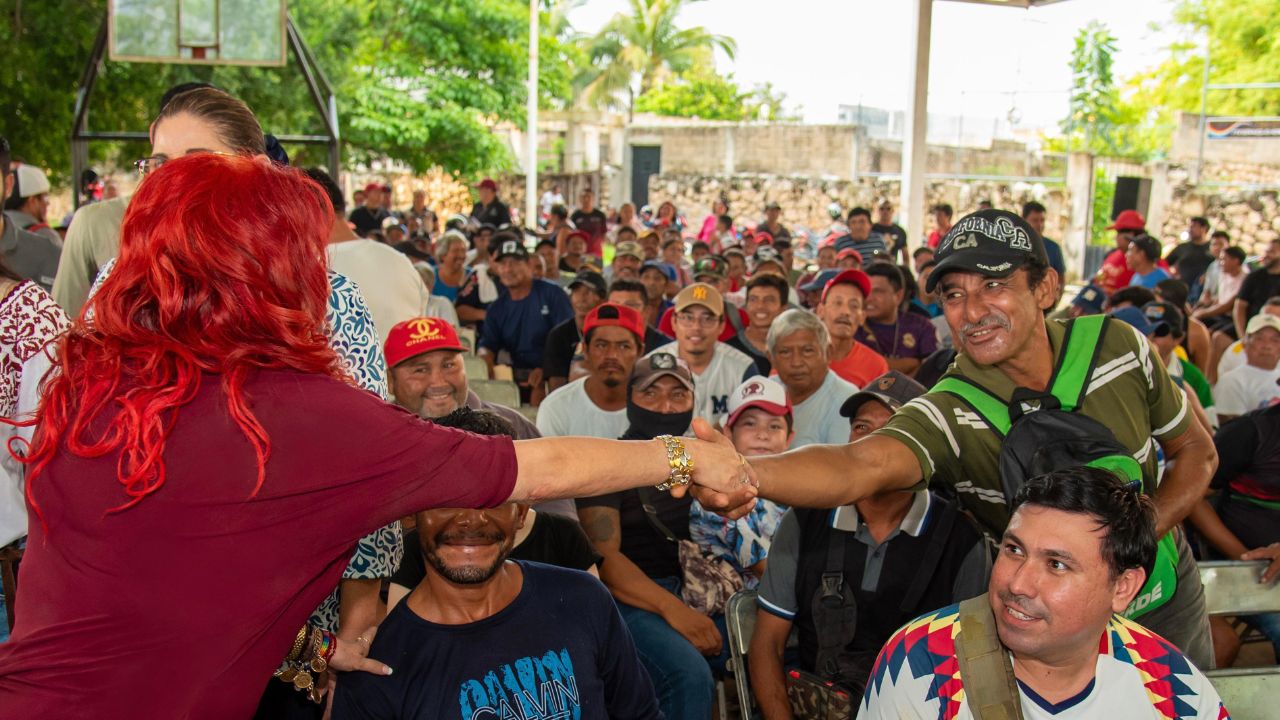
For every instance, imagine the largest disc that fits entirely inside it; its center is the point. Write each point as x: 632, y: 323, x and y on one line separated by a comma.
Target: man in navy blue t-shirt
x: 524, y: 313
x: 485, y: 638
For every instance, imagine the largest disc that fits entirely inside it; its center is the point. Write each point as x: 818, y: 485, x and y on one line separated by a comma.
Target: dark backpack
x: 1041, y: 432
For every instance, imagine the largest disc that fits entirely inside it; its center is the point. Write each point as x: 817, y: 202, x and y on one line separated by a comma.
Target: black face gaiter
x: 647, y: 424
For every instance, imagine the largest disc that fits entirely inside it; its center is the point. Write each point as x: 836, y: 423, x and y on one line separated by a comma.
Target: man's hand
x: 1270, y: 552
x: 697, y: 628
x: 723, y: 479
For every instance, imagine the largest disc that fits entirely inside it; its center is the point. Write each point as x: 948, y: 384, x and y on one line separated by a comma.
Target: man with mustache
x: 1077, y: 551
x: 841, y: 310
x: 994, y: 284
x: 552, y: 634
x: 596, y: 405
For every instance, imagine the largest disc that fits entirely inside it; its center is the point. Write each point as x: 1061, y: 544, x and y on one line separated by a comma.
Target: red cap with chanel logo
x: 420, y: 335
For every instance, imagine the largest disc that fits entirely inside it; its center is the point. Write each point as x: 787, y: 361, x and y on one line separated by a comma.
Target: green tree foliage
x: 1091, y: 120
x: 417, y: 80
x: 1100, y: 120
x: 702, y: 93
x: 1243, y: 45
x: 637, y: 52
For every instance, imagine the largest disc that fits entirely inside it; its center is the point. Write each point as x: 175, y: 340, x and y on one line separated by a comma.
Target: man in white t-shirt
x: 717, y: 368
x: 392, y: 288
x: 798, y: 344
x: 1252, y: 385
x: 596, y: 405
x: 1233, y: 356
x: 1076, y: 552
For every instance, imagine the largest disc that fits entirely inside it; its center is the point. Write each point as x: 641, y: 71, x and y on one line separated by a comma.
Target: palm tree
x: 644, y: 46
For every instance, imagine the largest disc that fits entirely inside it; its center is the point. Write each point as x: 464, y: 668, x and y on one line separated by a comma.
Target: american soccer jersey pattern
x: 1139, y: 675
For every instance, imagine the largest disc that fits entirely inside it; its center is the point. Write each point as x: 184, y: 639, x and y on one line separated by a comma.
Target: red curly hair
x: 222, y: 270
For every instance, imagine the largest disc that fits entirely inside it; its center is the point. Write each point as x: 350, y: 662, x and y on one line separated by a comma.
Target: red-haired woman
x: 201, y: 466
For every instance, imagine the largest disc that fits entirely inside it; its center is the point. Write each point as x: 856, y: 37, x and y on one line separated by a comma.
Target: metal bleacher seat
x: 1232, y: 588
x: 502, y: 392
x: 740, y: 619
x: 1248, y: 693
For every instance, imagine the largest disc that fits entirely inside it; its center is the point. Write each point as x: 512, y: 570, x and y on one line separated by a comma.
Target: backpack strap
x: 985, y: 669
x: 835, y: 612
x: 940, y: 534
x: 1078, y: 358
x: 650, y: 512
x: 982, y: 401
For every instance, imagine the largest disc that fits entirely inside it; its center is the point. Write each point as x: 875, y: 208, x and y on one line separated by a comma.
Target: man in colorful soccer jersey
x: 994, y: 284
x: 1076, y: 552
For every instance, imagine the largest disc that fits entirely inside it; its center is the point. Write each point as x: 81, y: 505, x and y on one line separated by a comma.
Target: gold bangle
x: 679, y: 462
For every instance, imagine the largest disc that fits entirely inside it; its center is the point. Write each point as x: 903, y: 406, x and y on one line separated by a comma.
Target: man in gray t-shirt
x: 902, y: 552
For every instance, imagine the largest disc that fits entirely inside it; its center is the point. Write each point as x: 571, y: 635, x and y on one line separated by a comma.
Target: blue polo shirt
x: 521, y: 326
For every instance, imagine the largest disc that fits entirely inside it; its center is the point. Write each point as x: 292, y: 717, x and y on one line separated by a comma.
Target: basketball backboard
x: 210, y: 32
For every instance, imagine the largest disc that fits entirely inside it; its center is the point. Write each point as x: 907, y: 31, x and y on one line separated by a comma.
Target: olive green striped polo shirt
x: 1129, y: 391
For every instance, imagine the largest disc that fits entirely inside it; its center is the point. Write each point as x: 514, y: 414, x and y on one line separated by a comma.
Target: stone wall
x: 1250, y: 215
x: 804, y: 201
x: 697, y: 147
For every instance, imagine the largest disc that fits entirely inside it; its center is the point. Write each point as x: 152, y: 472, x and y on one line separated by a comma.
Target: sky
x: 985, y: 60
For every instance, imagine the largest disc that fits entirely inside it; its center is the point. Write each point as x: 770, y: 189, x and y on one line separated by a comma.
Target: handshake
x: 721, y: 478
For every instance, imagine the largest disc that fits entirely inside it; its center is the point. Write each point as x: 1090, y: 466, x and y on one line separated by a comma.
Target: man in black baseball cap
x: 887, y: 394
x: 993, y: 243
x: 994, y: 284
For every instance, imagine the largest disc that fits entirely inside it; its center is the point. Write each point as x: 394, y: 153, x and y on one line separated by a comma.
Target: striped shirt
x: 1129, y: 391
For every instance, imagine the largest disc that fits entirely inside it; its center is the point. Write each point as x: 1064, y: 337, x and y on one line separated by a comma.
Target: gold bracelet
x: 681, y: 465
x: 296, y: 650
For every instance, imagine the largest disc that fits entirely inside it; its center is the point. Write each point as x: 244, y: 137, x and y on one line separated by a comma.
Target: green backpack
x: 1041, y: 432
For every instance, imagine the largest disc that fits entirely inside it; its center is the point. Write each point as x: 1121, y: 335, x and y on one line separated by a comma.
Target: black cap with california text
x: 994, y: 243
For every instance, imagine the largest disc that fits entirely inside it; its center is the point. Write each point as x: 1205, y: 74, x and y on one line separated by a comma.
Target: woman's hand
x: 722, y: 478
x: 352, y: 655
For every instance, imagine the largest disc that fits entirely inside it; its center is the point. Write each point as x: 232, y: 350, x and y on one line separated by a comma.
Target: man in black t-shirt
x: 895, y: 238
x: 369, y: 216
x: 1190, y: 259
x: 586, y: 291
x: 591, y: 221
x: 1258, y: 287
x: 482, y: 636
x: 490, y: 210
x: 637, y: 532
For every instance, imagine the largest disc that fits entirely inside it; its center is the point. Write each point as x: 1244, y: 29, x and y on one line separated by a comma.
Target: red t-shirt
x: 183, y: 606
x: 860, y: 366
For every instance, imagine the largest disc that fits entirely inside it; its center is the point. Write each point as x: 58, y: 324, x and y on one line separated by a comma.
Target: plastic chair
x: 740, y: 618
x: 467, y: 336
x: 502, y: 392
x: 475, y: 367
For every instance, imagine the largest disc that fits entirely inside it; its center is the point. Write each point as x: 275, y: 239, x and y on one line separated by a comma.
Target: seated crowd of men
x: 729, y: 329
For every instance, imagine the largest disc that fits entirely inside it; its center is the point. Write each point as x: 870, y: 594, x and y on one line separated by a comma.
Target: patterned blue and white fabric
x: 353, y: 338
x: 743, y: 542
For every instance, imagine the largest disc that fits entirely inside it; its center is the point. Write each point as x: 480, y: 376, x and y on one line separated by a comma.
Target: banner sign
x: 1260, y: 128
